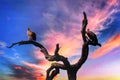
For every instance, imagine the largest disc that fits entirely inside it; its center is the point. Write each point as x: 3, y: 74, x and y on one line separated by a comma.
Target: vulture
x: 31, y: 35
x: 92, y: 37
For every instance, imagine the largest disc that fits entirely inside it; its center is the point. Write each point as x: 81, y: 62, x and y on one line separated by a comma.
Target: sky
x: 59, y: 21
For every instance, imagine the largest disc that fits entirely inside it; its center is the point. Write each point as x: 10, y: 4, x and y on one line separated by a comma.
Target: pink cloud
x: 112, y: 2
x: 40, y: 66
x: 70, y: 38
x: 38, y: 54
x: 113, y: 42
x: 68, y: 44
x: 96, y: 21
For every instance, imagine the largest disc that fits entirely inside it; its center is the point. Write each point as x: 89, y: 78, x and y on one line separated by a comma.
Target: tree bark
x: 71, y: 75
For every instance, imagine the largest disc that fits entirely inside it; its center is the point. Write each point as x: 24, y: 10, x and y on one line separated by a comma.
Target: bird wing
x: 33, y: 35
x: 92, y: 36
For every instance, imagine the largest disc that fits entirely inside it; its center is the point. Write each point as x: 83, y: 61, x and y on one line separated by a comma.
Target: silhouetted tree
x: 70, y: 68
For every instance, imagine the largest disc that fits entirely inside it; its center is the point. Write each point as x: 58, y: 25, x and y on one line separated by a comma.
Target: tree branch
x: 49, y: 57
x: 84, y: 56
x: 84, y: 25
x: 53, y: 73
x: 54, y: 70
x: 55, y: 57
x: 43, y: 49
x: 57, y: 50
x: 85, y: 47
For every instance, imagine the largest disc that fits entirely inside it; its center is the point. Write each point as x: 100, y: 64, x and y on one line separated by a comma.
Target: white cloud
x: 2, y: 44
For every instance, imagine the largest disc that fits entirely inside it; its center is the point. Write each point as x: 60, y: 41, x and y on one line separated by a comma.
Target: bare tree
x: 70, y: 68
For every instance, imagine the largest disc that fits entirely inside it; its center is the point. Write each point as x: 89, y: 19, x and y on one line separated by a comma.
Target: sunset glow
x: 55, y: 22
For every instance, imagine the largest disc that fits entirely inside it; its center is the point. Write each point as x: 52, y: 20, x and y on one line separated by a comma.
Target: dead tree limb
x: 49, y: 57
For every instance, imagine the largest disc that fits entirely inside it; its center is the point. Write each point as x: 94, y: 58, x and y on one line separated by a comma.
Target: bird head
x: 88, y: 30
x: 28, y: 28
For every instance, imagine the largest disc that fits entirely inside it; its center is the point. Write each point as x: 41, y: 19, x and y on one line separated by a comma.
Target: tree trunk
x: 72, y: 74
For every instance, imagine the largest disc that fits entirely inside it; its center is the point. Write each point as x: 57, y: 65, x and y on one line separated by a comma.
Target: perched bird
x: 92, y: 38
x: 31, y: 35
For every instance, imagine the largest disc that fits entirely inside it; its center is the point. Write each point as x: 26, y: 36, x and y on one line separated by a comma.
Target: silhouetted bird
x: 31, y: 35
x: 92, y: 37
